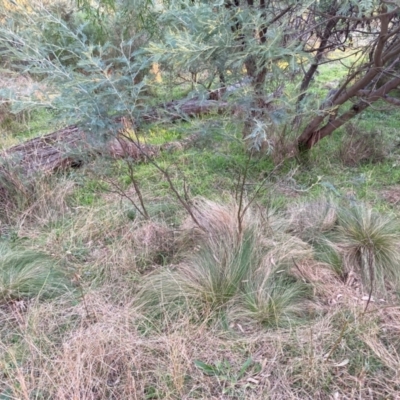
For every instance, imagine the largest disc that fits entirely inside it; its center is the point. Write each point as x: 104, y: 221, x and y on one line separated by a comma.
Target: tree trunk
x: 365, y: 81
x: 309, y: 138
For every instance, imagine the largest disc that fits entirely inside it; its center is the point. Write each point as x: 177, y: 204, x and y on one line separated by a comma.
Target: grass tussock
x: 216, y: 272
x: 355, y: 241
x: 25, y: 274
x: 328, y: 252
x: 275, y: 300
x: 154, y: 243
x: 222, y: 220
x: 260, y: 285
x: 310, y: 219
x: 227, y: 265
x: 370, y: 244
x: 203, y: 283
x: 97, y: 243
x: 107, y: 239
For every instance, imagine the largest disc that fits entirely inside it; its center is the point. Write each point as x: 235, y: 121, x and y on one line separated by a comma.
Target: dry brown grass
x: 154, y: 243
x: 106, y: 348
x: 329, y: 289
x: 32, y: 200
x: 391, y: 195
x: 102, y: 242
x: 311, y: 218
x: 218, y: 219
x: 361, y: 147
x: 62, y: 353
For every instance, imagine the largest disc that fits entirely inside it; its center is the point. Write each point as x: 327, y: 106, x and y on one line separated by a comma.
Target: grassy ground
x: 296, y: 298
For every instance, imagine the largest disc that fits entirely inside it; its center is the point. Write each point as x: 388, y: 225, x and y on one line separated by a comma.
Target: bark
x: 320, y: 53
x: 309, y: 141
x: 314, y: 132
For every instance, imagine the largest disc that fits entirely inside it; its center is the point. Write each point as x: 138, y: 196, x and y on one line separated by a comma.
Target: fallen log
x: 71, y: 146
x: 181, y: 109
x: 68, y: 148
x: 45, y: 153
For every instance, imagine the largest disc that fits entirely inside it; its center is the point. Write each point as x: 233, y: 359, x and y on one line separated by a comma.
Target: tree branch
x: 381, y: 93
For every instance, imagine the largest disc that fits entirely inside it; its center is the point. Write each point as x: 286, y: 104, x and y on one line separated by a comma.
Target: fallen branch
x: 49, y: 152
x: 181, y: 109
x: 71, y: 146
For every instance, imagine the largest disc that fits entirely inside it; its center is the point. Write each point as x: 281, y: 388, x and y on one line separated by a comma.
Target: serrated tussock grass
x: 225, y: 266
x: 26, y: 274
x: 351, y: 239
x: 370, y: 244
x: 310, y: 219
x: 275, y: 299
x: 205, y: 282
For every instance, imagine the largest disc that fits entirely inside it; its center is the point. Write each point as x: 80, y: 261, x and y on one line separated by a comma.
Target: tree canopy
x: 261, y: 57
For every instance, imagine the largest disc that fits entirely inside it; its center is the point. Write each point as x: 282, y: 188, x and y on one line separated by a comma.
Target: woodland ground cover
x: 209, y: 271
x: 159, y: 308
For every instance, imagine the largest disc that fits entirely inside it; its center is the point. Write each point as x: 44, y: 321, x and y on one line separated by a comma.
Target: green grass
x: 371, y: 246
x: 276, y: 300
x: 205, y: 171
x: 87, y: 193
x: 158, y: 135
x: 226, y: 275
x: 207, y: 281
x: 25, y: 275
x: 15, y: 129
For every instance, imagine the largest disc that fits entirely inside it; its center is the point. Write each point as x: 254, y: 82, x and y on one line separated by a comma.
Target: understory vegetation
x: 292, y: 294
x: 223, y: 253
